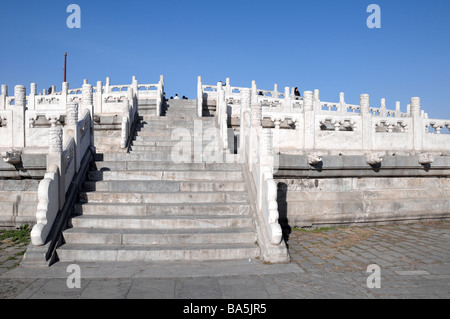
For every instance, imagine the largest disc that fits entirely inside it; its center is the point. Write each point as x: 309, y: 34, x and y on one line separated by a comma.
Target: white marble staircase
x: 144, y: 206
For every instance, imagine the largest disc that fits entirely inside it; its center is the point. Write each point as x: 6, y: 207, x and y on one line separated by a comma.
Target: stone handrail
x: 256, y: 152
x: 129, y: 117
x: 63, y: 163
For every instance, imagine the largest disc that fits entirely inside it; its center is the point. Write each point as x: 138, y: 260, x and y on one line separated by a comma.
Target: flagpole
x: 65, y: 66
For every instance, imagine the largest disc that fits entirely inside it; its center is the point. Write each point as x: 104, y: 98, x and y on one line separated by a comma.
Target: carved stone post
x: 275, y: 91
x: 99, y: 97
x: 417, y: 124
x: 255, y: 115
x: 55, y: 157
x: 246, y: 100
x: 71, y: 114
x: 316, y: 105
x: 227, y: 88
x: 64, y: 93
x: 383, y: 111
x: 364, y: 103
x: 87, y: 96
x: 70, y: 130
x: 199, y: 97
x: 32, y: 100
x: 308, y: 103
x: 366, y: 122
x: 266, y: 159
x: 134, y: 83
x: 255, y: 128
x: 87, y: 102
x: 219, y: 104
x: 342, y: 105
x: 18, y: 121
x: 287, y: 98
x: 397, y: 109
x: 254, y: 93
x: 4, y: 94
x: 107, y: 85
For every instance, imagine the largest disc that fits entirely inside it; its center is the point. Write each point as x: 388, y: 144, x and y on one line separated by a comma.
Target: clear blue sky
x: 322, y: 44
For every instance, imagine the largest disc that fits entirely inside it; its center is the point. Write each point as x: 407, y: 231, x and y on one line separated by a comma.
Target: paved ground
x: 413, y: 261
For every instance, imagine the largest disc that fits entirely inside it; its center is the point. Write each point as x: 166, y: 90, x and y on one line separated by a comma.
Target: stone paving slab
x: 414, y: 262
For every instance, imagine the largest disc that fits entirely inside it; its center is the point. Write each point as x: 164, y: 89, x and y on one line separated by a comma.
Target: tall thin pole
x: 65, y: 66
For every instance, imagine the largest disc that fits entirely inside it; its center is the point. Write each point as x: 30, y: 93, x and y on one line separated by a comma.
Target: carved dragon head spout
x: 314, y: 159
x: 426, y: 158
x: 374, y: 158
x: 12, y: 157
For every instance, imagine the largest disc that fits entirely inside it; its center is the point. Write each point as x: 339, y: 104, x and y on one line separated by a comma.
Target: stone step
x: 190, y: 209
x: 183, y: 108
x: 163, y: 197
x: 165, y: 175
x: 177, y: 134
x: 166, y: 186
x: 148, y: 112
x: 157, y: 237
x: 179, y: 130
x: 138, y: 156
x: 162, y: 166
x: 19, y: 184
x: 95, y: 253
x: 205, y: 156
x: 184, y: 114
x: 17, y: 211
x: 170, y: 120
x: 178, y: 148
x: 162, y: 222
x: 175, y: 143
x: 107, y: 133
x: 106, y: 140
x: 18, y: 196
x: 182, y: 103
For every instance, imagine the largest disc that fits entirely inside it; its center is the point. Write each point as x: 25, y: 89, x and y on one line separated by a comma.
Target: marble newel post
x: 309, y: 125
x: 199, y: 97
x: 18, y: 121
x: 418, y: 128
x: 64, y: 93
x: 366, y: 122
x: 4, y: 94
x: 87, y: 102
x: 70, y: 130
x: 255, y: 130
x: 342, y: 106
x: 31, y: 100
x: 246, y: 102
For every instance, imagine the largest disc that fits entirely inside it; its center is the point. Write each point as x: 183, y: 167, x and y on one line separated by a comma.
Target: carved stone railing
x: 257, y: 155
x: 308, y: 124
x: 24, y: 119
x: 129, y: 118
x: 67, y: 148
